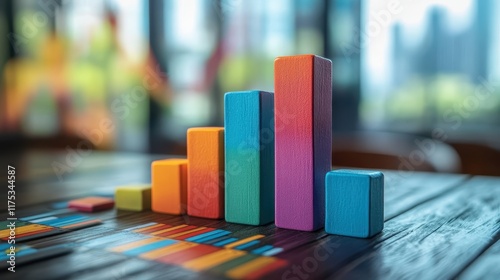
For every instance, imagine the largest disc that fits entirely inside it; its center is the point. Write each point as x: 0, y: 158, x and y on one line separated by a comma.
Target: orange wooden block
x: 205, y: 152
x: 168, y: 186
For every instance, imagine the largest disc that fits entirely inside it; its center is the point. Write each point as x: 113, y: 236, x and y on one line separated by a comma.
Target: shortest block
x: 354, y: 203
x: 91, y: 204
x: 133, y: 197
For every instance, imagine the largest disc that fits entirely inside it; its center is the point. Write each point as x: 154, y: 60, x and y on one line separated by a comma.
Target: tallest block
x: 303, y: 139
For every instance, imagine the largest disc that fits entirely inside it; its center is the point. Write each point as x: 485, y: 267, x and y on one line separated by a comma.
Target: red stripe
x: 34, y: 232
x: 188, y: 254
x: 266, y: 269
x: 182, y: 237
x: 81, y: 208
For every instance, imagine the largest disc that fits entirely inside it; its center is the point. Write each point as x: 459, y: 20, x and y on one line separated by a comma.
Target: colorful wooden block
x: 205, y: 152
x: 91, y: 204
x: 249, y: 161
x: 169, y: 186
x: 354, y: 203
x: 303, y: 136
x: 133, y: 197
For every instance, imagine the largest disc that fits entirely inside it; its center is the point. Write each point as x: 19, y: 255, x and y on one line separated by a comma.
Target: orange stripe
x: 183, y: 237
x: 258, y: 274
x: 243, y: 241
x: 82, y: 224
x: 168, y: 229
x: 34, y: 232
x: 213, y: 259
x: 135, y: 244
x: 148, y: 228
x: 167, y: 250
x: 185, y: 232
x: 249, y: 267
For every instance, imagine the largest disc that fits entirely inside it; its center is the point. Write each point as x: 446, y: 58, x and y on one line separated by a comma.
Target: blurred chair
x: 478, y: 159
x: 15, y: 143
x: 383, y: 150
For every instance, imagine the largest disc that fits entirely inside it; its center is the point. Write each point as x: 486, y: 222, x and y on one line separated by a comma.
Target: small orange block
x: 91, y: 204
x: 205, y: 152
x: 168, y: 186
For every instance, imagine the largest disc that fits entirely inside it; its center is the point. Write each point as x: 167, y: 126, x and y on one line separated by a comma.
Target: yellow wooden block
x: 133, y: 197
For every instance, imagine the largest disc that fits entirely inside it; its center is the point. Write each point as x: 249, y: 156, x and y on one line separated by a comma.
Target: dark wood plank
x: 436, y: 226
x: 31, y: 193
x: 404, y: 190
x: 433, y: 240
x: 486, y: 266
x: 436, y: 239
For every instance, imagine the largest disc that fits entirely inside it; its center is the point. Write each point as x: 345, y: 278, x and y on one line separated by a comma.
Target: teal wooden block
x: 249, y: 157
x: 354, y: 203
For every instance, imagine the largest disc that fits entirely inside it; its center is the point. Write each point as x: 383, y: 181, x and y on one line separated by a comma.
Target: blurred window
x: 431, y: 66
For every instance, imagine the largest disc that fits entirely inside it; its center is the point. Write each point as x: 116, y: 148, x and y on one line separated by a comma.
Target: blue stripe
x: 59, y: 205
x: 217, y: 235
x: 51, y: 213
x: 246, y: 245
x: 149, y: 247
x: 70, y: 222
x: 113, y: 240
x: 273, y: 252
x: 59, y: 220
x: 262, y: 249
x: 27, y: 251
x: 226, y: 241
x: 141, y: 226
x: 206, y: 234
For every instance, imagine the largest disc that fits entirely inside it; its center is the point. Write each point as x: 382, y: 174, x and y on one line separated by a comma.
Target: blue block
x: 249, y: 157
x: 354, y: 203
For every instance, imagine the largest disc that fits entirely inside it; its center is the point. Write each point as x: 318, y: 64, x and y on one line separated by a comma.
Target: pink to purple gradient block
x: 303, y: 140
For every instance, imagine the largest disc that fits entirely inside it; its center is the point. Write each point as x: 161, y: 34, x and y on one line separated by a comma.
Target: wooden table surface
x: 437, y: 226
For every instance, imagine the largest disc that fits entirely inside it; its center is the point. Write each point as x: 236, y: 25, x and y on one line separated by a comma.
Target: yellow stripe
x: 149, y: 227
x: 244, y: 269
x: 167, y: 250
x: 23, y: 229
x: 185, y: 232
x: 213, y: 259
x: 243, y: 241
x: 135, y: 244
x: 167, y: 230
x: 20, y: 230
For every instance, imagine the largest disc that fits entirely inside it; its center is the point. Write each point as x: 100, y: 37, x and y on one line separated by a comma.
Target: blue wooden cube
x: 354, y: 203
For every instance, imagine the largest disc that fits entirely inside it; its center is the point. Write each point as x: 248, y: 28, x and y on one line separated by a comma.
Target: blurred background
x: 416, y: 84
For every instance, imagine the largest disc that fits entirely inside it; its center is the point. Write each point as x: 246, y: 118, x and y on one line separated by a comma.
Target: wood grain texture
x: 436, y: 239
x: 303, y: 123
x: 205, y: 153
x: 438, y: 226
x: 354, y: 203
x: 404, y: 190
x: 249, y: 157
x: 169, y: 186
x: 133, y: 197
x: 485, y: 266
